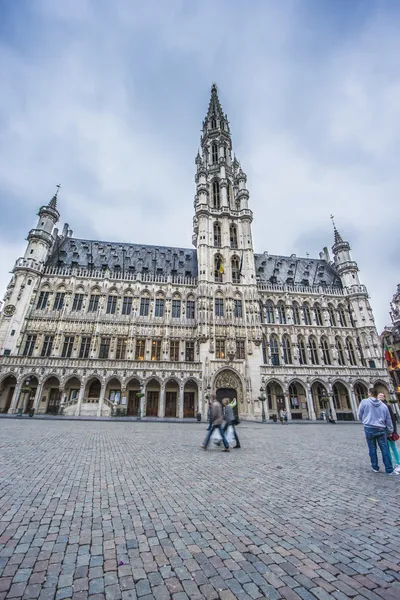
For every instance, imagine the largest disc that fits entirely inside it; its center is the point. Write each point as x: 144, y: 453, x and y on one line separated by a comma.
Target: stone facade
x: 93, y: 325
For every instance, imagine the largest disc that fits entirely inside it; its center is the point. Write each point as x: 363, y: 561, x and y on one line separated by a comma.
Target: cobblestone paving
x: 137, y: 510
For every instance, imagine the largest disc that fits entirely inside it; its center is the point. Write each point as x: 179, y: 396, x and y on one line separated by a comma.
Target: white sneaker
x: 394, y: 473
x: 375, y: 470
x: 397, y: 469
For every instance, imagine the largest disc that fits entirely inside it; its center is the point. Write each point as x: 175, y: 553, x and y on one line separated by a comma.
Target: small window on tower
x: 213, y: 124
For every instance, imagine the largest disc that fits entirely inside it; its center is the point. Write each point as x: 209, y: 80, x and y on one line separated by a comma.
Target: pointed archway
x: 227, y: 384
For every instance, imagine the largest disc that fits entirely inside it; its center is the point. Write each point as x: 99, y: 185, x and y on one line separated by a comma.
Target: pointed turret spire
x: 53, y: 201
x: 214, y: 108
x: 337, y: 237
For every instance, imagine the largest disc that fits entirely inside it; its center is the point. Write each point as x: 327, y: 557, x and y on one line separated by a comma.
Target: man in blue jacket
x: 377, y: 424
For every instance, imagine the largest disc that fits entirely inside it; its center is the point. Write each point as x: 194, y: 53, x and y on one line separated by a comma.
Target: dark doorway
x: 170, y: 404
x: 54, y: 401
x: 188, y: 405
x: 133, y: 403
x: 152, y: 404
x: 228, y: 393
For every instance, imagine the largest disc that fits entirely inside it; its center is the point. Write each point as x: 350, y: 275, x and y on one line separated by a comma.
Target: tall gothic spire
x: 215, y: 119
x: 53, y: 201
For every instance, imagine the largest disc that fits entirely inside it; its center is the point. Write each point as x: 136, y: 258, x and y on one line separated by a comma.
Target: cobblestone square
x: 137, y: 510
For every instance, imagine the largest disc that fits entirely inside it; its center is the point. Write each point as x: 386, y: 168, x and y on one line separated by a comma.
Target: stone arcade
x: 92, y: 324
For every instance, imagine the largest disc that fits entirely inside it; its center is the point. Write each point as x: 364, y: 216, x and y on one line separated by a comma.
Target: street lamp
x: 262, y: 400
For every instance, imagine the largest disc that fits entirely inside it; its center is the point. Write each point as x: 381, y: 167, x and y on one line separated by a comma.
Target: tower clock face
x: 9, y: 310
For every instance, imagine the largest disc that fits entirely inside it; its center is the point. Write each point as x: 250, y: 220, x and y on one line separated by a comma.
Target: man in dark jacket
x: 229, y: 420
x: 216, y: 415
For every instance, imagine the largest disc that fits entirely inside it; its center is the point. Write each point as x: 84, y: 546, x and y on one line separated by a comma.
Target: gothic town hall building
x: 90, y: 326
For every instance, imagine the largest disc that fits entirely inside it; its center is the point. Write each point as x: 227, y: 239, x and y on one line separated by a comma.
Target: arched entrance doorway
x: 72, y: 388
x: 320, y: 398
x: 190, y: 399
x: 341, y: 402
x: 51, y: 391
x: 275, y: 397
x: 152, y: 398
x: 360, y: 392
x: 171, y: 398
x: 132, y: 391
x: 26, y: 399
x: 228, y: 385
x: 382, y: 389
x: 298, y: 400
x: 7, y: 388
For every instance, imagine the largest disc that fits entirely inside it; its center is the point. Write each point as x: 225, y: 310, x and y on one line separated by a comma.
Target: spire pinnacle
x: 338, y: 237
x: 214, y: 108
x: 53, y: 201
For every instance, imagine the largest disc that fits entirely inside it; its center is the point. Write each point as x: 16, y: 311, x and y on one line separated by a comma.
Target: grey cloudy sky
x: 107, y: 97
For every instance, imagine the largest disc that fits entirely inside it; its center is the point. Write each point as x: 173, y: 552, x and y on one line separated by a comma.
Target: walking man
x: 229, y: 420
x: 216, y: 416
x: 377, y: 422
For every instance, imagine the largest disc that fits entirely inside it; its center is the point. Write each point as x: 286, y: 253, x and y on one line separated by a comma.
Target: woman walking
x: 391, y: 438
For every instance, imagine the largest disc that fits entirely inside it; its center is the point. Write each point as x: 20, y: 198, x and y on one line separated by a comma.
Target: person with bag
x: 230, y: 420
x: 217, y: 419
x: 392, y: 438
x: 209, y: 414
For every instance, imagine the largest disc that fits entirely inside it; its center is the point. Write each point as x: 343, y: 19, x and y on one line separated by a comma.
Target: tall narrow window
x: 218, y: 268
x: 296, y: 313
x: 85, y: 347
x: 361, y: 353
x: 213, y: 123
x: 77, y: 303
x: 351, y: 352
x: 42, y: 301
x: 332, y: 315
x: 274, y: 347
x: 342, y: 316
x: 214, y: 153
x: 59, y: 301
x: 139, y: 349
x: 269, y: 313
x: 176, y: 309
x: 93, y: 303
x: 174, y: 350
x: 127, y: 305
x: 287, y: 350
x: 189, y: 351
x: 306, y: 314
x: 111, y: 305
x: 29, y: 345
x: 156, y: 350
x: 68, y: 346
x: 159, y: 307
x: 237, y: 309
x: 281, y: 313
x: 104, y: 347
x: 217, y: 235
x: 318, y: 314
x: 240, y: 349
x: 121, y: 348
x: 216, y: 198
x: 326, y: 356
x: 313, y: 351
x: 220, y: 348
x: 144, y: 307
x: 302, y: 351
x: 219, y: 307
x: 233, y: 236
x: 190, y: 309
x: 235, y: 270
x: 47, y: 345
x: 340, y: 351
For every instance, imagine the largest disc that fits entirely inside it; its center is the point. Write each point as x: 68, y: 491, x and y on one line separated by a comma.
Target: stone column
x: 143, y: 401
x: 101, y: 399
x: 161, y: 403
x: 180, y: 403
x: 332, y: 406
x: 199, y: 403
x: 80, y: 398
x: 353, y: 403
x: 38, y: 396
x: 15, y: 398
x: 287, y: 405
x: 310, y: 404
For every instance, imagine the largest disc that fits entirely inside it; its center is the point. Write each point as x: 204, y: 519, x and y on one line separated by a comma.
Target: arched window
x: 287, y: 350
x: 217, y: 235
x: 322, y: 396
x: 342, y: 316
x: 264, y: 350
x: 313, y: 351
x: 218, y: 268
x: 325, y: 351
x: 360, y: 392
x: 235, y: 270
x: 269, y: 312
x: 230, y: 196
x: 294, y: 396
x: 214, y: 153
x: 281, y: 313
x: 351, y: 352
x: 302, y: 350
x: 274, y: 347
x: 296, y: 313
x: 213, y: 123
x: 340, y: 351
x: 233, y: 236
x: 332, y: 315
x: 216, y: 198
x: 306, y: 314
x: 318, y: 314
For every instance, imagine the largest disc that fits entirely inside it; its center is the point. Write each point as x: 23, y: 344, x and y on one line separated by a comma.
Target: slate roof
x: 294, y: 270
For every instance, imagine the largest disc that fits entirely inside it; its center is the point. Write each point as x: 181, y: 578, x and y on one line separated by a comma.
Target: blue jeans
x: 209, y: 434
x: 374, y: 435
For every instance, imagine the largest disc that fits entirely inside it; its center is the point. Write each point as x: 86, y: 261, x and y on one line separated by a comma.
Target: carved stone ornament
x: 229, y: 379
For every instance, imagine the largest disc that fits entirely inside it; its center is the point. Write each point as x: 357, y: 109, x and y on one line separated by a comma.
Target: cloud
x: 107, y: 98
